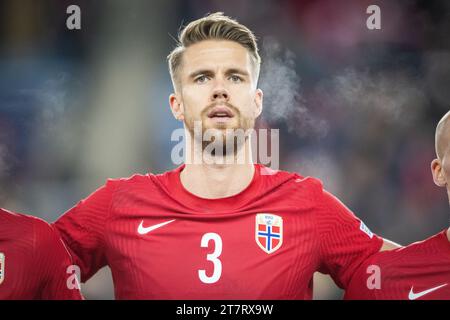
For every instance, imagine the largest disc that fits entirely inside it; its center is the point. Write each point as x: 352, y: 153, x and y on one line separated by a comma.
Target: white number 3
x: 212, y: 257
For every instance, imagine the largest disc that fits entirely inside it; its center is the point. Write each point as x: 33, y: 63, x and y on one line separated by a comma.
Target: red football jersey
x: 33, y: 260
x: 420, y: 271
x: 163, y: 242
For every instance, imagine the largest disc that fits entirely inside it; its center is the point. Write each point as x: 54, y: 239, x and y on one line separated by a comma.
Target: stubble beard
x: 234, y: 136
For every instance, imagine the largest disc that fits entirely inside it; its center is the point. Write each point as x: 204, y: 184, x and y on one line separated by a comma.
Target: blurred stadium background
x: 355, y: 107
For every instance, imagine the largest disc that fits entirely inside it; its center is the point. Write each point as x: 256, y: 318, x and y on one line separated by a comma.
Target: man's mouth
x: 220, y: 112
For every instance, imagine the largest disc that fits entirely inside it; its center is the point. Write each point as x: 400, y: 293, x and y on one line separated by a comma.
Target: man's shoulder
x: 21, y: 220
x: 412, y: 255
x: 138, y: 182
x: 292, y: 180
x: 434, y: 245
x: 141, y: 177
x: 23, y: 226
x: 135, y: 179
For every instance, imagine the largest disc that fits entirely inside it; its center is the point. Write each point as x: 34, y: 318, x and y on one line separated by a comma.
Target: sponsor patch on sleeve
x: 366, y: 230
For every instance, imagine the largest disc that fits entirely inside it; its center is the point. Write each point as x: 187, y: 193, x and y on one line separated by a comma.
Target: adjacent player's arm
x: 52, y: 264
x: 391, y: 275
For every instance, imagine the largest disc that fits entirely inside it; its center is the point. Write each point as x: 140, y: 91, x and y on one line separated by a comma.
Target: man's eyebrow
x: 237, y: 71
x: 208, y: 72
x: 205, y: 72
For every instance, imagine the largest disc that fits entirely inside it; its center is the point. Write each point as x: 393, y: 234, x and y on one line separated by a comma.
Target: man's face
x: 441, y: 166
x: 217, y: 87
x: 445, y: 163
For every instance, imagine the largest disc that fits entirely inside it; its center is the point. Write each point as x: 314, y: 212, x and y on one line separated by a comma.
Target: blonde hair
x: 215, y: 26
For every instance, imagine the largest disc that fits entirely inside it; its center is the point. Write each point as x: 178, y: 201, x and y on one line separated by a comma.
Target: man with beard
x: 222, y: 227
x: 420, y: 271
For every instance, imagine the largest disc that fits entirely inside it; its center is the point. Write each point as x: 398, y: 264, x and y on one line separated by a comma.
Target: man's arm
x: 52, y: 263
x: 391, y: 274
x: 82, y: 230
x: 345, y: 241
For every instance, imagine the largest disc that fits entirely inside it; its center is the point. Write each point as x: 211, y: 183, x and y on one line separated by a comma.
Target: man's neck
x: 214, y: 177
x: 216, y: 181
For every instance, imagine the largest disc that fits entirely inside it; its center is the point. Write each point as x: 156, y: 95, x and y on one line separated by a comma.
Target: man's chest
x: 248, y: 255
x: 18, y: 276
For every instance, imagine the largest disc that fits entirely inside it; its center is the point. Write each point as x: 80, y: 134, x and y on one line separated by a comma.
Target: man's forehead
x: 216, y: 53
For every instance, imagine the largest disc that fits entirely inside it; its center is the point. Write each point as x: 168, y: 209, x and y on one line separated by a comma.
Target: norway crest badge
x: 2, y: 267
x: 269, y: 232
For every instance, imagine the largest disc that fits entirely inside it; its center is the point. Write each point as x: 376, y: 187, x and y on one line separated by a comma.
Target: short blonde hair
x: 215, y: 26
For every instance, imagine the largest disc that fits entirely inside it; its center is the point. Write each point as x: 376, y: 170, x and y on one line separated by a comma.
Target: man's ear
x: 176, y: 106
x: 258, y: 102
x: 438, y: 174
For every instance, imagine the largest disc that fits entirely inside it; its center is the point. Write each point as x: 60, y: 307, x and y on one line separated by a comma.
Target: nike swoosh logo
x: 144, y: 230
x: 414, y: 296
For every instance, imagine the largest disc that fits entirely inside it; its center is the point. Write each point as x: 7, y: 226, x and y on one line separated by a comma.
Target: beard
x: 220, y: 139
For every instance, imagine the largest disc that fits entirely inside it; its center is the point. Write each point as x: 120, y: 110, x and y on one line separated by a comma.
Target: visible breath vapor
x: 51, y: 99
x: 3, y: 162
x: 319, y: 163
x: 45, y: 105
x: 283, y: 100
x: 437, y: 76
x: 395, y: 96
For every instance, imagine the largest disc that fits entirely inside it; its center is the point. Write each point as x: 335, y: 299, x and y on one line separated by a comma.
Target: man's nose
x: 220, y: 92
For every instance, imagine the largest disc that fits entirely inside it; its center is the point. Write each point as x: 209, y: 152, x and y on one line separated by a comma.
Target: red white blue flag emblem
x: 2, y: 267
x: 269, y: 232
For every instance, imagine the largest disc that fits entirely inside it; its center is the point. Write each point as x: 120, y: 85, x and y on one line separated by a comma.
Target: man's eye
x: 235, y: 78
x: 201, y: 79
